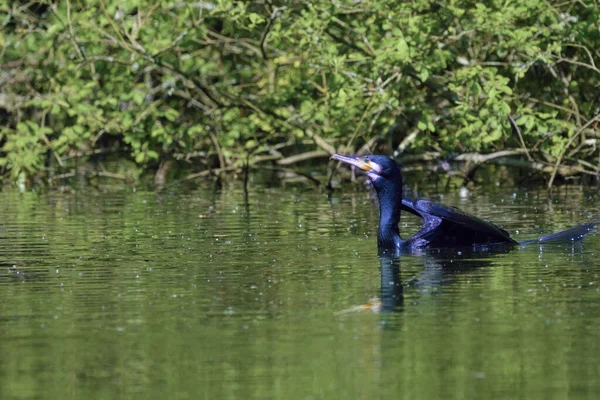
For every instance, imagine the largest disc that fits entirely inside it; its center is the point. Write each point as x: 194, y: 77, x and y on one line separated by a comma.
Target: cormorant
x: 443, y: 226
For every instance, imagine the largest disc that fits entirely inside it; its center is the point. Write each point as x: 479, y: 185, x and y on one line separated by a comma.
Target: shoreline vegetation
x: 227, y: 87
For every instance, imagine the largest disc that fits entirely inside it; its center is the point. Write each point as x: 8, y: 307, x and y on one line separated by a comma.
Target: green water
x: 204, y: 294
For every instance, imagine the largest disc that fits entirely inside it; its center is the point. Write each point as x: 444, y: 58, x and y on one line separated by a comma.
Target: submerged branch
x: 104, y: 174
x: 291, y: 171
x: 213, y: 171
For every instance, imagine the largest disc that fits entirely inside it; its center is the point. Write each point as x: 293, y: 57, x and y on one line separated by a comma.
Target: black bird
x: 443, y: 226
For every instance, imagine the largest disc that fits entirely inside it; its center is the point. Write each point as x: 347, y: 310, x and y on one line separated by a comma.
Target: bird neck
x: 390, y: 199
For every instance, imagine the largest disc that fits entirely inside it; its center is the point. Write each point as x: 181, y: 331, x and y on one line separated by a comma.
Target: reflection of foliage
x: 179, y: 80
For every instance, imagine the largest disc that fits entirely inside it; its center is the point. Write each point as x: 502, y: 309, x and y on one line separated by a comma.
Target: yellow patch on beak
x: 358, y: 162
x: 367, y: 165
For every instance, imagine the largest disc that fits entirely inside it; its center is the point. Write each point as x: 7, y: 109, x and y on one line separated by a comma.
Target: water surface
x: 212, y: 294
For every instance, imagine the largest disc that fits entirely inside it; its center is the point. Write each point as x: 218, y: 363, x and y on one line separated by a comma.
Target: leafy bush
x: 226, y: 80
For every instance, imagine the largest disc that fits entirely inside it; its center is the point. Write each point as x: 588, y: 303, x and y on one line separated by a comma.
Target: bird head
x: 378, y: 168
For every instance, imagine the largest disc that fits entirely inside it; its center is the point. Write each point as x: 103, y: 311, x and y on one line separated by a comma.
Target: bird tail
x: 572, y: 234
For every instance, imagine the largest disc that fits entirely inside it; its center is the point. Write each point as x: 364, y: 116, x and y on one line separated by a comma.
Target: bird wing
x: 456, y: 220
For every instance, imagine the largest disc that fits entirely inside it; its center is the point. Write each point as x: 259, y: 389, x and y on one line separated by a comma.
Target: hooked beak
x: 358, y: 162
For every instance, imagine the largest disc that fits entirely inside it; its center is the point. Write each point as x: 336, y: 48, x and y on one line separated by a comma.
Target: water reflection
x: 439, y: 265
x: 392, y: 297
x: 225, y: 295
x: 442, y: 267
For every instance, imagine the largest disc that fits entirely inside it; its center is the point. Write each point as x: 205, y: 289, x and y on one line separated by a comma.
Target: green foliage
x: 23, y: 148
x: 178, y: 80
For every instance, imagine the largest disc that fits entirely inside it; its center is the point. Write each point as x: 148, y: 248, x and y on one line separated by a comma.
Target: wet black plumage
x: 443, y: 226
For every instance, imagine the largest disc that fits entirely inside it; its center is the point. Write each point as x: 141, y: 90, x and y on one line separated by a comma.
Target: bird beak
x: 357, y: 161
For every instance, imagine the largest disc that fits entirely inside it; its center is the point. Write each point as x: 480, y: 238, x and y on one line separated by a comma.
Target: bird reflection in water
x: 439, y: 267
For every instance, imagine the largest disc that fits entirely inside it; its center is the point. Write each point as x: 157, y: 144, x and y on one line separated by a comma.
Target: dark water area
x: 208, y: 294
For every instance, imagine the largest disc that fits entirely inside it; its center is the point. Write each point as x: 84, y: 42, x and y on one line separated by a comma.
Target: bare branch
x: 569, y: 143
x: 303, y: 157
x: 516, y: 130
